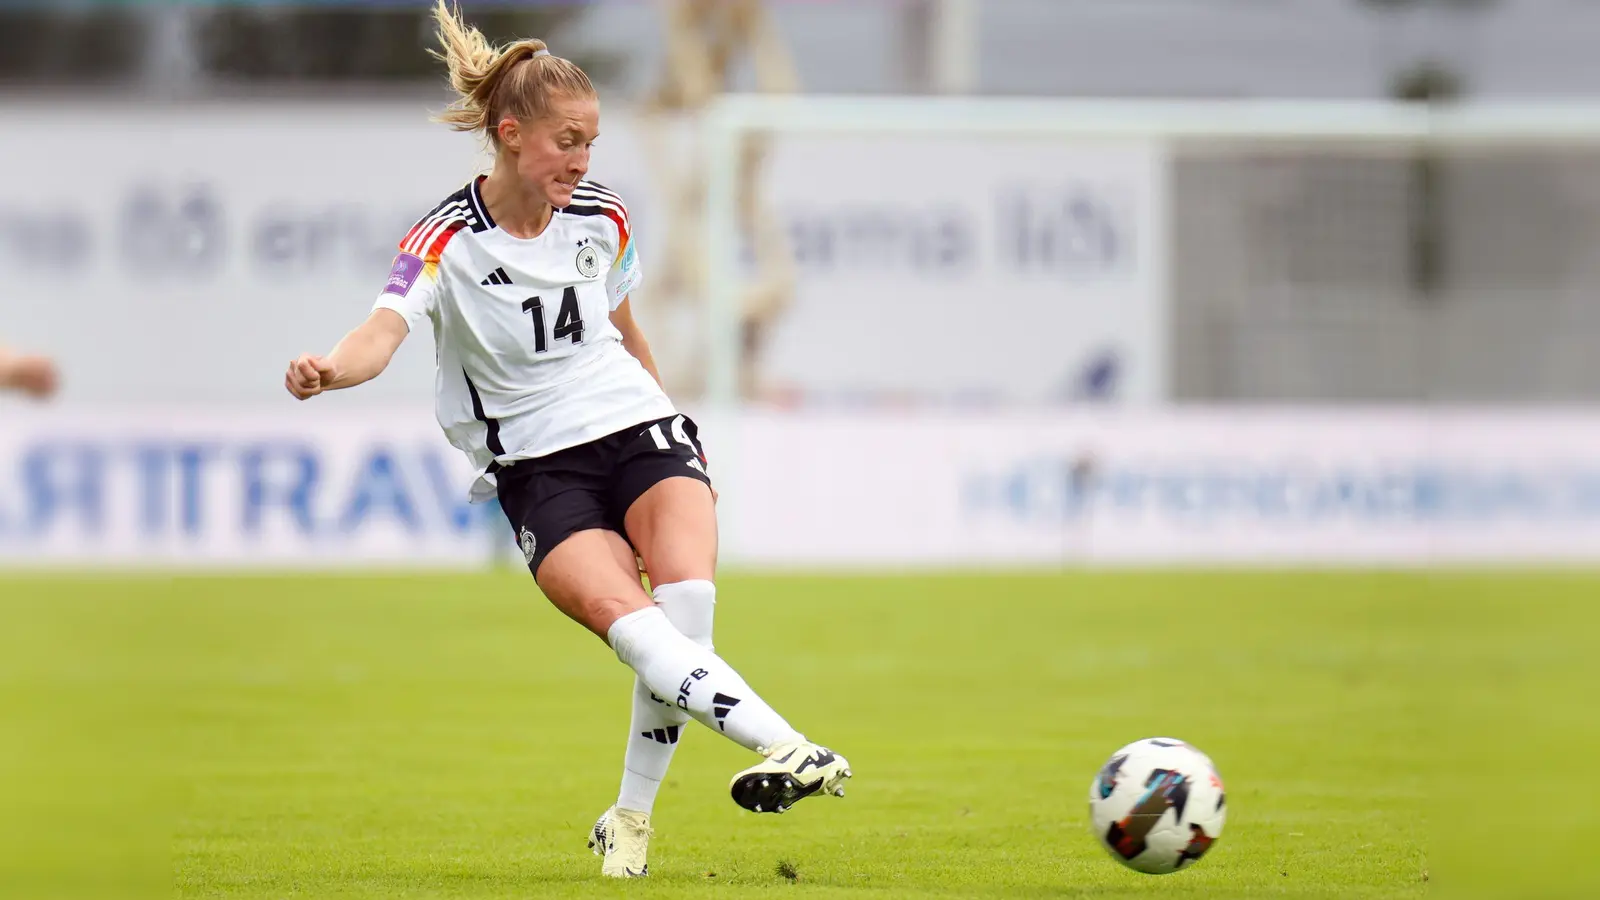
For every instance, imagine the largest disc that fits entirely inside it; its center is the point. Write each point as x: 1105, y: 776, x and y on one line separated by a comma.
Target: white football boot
x: 790, y: 773
x: 622, y: 836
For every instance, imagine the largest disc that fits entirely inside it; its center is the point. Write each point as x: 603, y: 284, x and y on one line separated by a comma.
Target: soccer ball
x: 1157, y: 805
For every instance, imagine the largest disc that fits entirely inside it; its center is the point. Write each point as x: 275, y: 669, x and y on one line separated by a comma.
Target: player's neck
x: 515, y: 210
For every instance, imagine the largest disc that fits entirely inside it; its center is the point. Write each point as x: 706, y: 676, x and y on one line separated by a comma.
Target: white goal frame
x: 1385, y: 122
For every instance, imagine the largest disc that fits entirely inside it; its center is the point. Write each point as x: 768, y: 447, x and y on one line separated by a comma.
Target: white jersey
x: 529, y: 362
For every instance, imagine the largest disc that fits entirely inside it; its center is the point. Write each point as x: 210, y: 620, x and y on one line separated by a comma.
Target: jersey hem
x: 484, y: 485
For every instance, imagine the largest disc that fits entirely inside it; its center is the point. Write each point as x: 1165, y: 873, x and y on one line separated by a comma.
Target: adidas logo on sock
x: 498, y: 276
x: 667, y: 735
x: 721, y: 705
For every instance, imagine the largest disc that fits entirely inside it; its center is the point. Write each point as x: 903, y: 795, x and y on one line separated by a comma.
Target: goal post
x: 1243, y: 131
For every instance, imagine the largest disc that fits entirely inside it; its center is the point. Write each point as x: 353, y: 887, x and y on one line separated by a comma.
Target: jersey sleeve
x: 410, y: 290
x: 414, y: 283
x: 625, y: 273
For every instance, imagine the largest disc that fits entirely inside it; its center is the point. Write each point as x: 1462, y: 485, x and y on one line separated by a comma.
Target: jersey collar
x: 475, y: 197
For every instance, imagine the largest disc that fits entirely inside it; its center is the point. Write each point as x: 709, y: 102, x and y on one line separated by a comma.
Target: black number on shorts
x: 569, y: 320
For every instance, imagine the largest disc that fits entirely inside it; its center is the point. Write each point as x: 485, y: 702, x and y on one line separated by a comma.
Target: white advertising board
x: 310, y: 488
x: 226, y: 238
x: 317, y: 487
x: 1018, y: 270
x: 1204, y: 487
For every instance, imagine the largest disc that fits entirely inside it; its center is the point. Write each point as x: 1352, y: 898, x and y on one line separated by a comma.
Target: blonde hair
x: 518, y: 80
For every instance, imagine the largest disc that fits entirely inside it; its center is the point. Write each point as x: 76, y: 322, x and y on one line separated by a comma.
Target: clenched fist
x: 33, y: 375
x: 309, y: 376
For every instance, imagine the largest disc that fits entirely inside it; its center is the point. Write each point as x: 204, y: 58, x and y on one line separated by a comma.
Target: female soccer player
x: 546, y: 383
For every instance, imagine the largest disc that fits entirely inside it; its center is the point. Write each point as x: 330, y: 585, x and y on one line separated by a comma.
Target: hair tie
x: 540, y: 53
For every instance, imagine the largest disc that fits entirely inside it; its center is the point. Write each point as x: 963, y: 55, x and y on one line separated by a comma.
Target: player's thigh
x: 557, y: 507
x: 661, y: 498
x: 592, y: 578
x: 674, y: 526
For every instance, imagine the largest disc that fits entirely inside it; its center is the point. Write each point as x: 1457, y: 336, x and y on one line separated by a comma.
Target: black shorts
x: 550, y: 498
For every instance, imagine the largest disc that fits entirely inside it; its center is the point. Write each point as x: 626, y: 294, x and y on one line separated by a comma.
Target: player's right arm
x: 406, y: 302
x: 33, y: 375
x: 361, y: 356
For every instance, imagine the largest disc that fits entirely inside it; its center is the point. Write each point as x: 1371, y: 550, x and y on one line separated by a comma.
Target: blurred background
x: 1008, y: 223
x: 994, y: 285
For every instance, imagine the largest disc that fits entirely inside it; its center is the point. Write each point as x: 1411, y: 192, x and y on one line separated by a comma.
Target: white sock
x: 677, y: 669
x: 690, y: 606
x: 653, y: 732
x: 655, y: 725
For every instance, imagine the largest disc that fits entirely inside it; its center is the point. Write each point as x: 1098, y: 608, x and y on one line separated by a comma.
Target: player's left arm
x: 633, y: 339
x: 625, y: 276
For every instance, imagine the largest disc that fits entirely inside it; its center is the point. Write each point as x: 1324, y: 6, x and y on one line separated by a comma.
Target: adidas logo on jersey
x: 498, y: 276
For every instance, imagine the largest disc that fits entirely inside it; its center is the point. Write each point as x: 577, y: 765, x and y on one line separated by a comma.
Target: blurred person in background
x: 30, y: 374
x: 558, y: 404
x: 707, y: 41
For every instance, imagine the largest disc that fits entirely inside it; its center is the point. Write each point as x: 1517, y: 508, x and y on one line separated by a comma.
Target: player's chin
x: 561, y: 194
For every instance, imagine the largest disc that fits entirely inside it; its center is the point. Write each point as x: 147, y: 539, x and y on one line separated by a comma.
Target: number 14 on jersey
x: 569, y: 320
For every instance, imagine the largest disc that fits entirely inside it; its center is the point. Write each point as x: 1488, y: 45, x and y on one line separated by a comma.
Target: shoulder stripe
x: 430, y: 255
x: 604, y: 209
x: 464, y: 204
x: 588, y: 188
x: 596, y: 187
x: 453, y: 198
x: 602, y: 200
x: 592, y: 199
x: 430, y: 223
x: 451, y: 224
x: 448, y: 202
x: 595, y: 194
x: 620, y: 219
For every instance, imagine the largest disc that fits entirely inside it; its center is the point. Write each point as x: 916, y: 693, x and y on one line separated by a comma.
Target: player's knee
x: 680, y: 565
x: 690, y: 606
x: 676, y: 555
x: 601, y: 611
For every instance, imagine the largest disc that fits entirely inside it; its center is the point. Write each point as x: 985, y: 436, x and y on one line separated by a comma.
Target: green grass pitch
x: 454, y: 736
